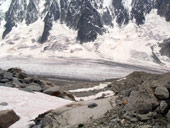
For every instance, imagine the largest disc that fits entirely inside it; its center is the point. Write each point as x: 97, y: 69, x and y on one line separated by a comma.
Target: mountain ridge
x: 88, y: 17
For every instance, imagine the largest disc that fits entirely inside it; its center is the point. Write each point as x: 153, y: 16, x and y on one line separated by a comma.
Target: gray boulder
x: 34, y: 88
x: 4, y: 80
x: 142, y: 101
x: 16, y: 82
x: 3, y: 104
x: 7, y: 118
x: 168, y: 116
x: 165, y: 48
x: 7, y: 75
x: 163, y: 106
x: 92, y: 105
x: 162, y: 92
x: 145, y: 117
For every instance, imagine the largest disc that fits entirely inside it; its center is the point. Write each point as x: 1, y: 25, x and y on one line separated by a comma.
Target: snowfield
x: 120, y: 51
x: 28, y: 105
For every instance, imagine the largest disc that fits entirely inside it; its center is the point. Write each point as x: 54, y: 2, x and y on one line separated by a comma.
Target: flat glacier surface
x: 77, y: 68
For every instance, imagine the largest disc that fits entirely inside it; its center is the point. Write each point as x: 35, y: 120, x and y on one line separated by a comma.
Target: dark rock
x: 27, y: 90
x: 162, y: 93
x: 4, y: 80
x: 165, y: 48
x: 16, y: 82
x: 7, y: 118
x: 168, y: 116
x: 3, y: 104
x: 163, y: 107
x: 92, y: 105
x: 7, y: 75
x: 34, y: 88
x: 22, y: 75
x: 142, y: 101
x: 15, y: 71
x: 24, y: 85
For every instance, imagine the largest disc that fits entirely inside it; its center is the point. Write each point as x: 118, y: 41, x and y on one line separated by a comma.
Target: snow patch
x: 101, y: 86
x: 28, y: 105
x: 100, y: 94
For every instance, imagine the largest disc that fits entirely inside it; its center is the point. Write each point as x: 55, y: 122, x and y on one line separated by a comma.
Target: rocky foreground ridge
x: 141, y: 100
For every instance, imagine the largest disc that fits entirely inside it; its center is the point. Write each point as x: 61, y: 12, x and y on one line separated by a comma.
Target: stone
x: 2, y: 84
x: 168, y: 116
x: 162, y: 93
x: 163, y: 106
x: 168, y: 125
x: 7, y: 118
x: 27, y: 90
x: 3, y: 104
x: 92, y: 105
x: 4, y: 80
x: 22, y: 75
x: 34, y: 88
x: 142, y: 101
x: 16, y: 82
x: 145, y: 126
x: 55, y: 91
x: 7, y: 75
x: 144, y: 117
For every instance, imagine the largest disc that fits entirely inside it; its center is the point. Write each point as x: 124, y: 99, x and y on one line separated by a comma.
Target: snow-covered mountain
x: 120, y: 30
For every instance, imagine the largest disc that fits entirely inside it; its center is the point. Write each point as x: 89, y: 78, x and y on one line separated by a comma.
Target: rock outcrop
x: 17, y: 78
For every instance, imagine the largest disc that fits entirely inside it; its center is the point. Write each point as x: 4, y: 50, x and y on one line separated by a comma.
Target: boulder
x: 22, y: 75
x: 7, y: 75
x: 16, y: 82
x: 3, y: 104
x: 54, y: 91
x: 58, y: 92
x: 163, y: 106
x: 142, y: 101
x: 168, y: 116
x: 7, y: 118
x: 145, y: 117
x: 4, y: 80
x: 15, y: 71
x: 92, y: 105
x: 34, y: 88
x: 162, y: 92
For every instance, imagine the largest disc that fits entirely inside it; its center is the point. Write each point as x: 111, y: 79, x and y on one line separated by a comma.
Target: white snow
x: 28, y: 105
x: 4, y: 6
x: 107, y: 3
x: 92, y: 97
x: 129, y: 44
x: 100, y: 86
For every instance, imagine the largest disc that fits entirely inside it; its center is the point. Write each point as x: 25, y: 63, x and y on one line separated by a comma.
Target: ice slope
x: 28, y: 105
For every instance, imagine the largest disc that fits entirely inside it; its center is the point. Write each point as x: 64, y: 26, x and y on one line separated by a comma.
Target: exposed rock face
x: 86, y: 16
x: 7, y: 118
x: 165, y: 48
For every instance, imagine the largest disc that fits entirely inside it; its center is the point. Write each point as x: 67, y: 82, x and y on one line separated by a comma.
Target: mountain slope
x: 120, y: 29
